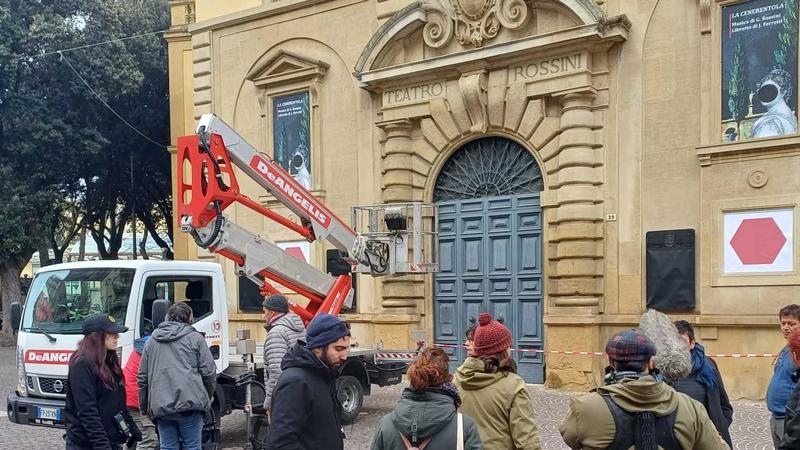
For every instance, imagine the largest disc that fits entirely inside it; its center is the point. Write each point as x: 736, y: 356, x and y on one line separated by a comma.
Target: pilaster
x: 573, y: 204
x: 396, y: 155
x: 399, y: 186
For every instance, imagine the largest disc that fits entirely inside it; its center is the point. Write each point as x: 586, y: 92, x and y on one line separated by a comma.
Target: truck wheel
x: 351, y: 396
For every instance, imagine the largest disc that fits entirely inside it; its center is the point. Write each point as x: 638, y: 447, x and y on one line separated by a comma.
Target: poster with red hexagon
x: 758, y: 241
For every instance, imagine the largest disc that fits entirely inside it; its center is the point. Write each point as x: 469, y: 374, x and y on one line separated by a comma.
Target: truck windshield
x: 59, y: 301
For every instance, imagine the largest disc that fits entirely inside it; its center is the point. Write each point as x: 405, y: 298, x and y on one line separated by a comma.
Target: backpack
x: 641, y: 430
x: 426, y: 441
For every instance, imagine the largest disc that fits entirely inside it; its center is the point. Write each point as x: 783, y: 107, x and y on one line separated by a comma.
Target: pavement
x: 750, y: 429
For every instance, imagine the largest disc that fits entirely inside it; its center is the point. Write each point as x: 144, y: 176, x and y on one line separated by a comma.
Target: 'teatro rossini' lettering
x: 549, y: 66
x: 289, y: 189
x: 413, y: 93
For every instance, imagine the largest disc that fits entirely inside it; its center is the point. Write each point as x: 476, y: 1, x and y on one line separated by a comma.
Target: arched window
x: 488, y: 167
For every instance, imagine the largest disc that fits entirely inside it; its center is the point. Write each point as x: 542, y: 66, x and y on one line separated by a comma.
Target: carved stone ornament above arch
x: 476, y: 25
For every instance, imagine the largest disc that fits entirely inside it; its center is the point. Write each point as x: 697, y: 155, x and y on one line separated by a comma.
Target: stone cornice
x: 266, y: 10
x: 749, y: 149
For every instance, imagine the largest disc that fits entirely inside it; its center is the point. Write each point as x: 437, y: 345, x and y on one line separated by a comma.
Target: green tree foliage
x: 737, y: 89
x: 786, y: 53
x: 59, y: 146
x: 112, y: 192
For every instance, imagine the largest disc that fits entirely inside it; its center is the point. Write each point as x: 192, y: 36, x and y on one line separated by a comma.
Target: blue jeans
x: 186, y: 427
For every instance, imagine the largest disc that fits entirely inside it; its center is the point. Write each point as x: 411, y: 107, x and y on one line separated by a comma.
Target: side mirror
x: 159, y: 312
x: 16, y: 316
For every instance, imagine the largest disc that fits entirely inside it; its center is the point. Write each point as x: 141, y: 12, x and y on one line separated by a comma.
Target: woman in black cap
x: 95, y: 413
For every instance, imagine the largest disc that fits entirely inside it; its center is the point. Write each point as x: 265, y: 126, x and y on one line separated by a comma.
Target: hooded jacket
x: 177, y: 372
x: 431, y: 413
x: 590, y: 425
x: 282, y: 334
x: 305, y: 409
x: 500, y: 406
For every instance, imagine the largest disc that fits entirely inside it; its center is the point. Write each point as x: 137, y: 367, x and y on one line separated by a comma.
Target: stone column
x: 575, y: 212
x: 396, y: 158
x: 398, y: 186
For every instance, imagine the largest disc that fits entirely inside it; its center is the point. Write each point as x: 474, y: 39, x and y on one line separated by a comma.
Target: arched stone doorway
x: 490, y: 240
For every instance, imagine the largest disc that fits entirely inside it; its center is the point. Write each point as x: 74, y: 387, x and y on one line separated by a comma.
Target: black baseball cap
x: 102, y: 322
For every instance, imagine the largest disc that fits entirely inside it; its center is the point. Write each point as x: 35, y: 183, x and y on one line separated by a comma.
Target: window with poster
x: 291, y: 135
x: 759, y: 84
x: 289, y: 87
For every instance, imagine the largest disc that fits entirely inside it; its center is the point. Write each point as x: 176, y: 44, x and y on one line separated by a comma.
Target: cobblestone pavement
x: 750, y: 428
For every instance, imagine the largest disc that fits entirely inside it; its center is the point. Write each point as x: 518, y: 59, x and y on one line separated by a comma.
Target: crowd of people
x: 162, y: 395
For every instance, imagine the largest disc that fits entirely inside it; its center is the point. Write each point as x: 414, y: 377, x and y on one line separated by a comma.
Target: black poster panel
x: 335, y: 266
x: 670, y: 267
x: 250, y: 298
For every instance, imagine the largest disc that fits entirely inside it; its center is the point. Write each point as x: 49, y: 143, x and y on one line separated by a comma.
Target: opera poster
x: 291, y: 133
x: 759, y: 69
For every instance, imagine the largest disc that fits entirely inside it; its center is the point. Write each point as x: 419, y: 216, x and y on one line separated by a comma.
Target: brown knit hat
x: 491, y: 336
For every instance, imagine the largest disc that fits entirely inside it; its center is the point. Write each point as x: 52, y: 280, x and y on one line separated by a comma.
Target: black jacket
x: 91, y: 407
x: 791, y: 424
x: 715, y: 401
x: 305, y: 410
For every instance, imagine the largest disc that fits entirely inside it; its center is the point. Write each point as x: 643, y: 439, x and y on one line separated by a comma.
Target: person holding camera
x: 95, y: 412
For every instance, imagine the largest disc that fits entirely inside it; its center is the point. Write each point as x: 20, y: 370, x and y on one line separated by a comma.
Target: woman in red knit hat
x: 493, y: 394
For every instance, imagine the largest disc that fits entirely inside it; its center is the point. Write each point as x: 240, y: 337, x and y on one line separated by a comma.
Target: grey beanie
x: 277, y: 303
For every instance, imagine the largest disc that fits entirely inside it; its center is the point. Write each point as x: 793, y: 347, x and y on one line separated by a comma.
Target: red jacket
x: 131, y: 383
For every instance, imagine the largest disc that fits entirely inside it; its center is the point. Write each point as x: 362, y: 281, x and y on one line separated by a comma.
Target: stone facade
x: 616, y: 100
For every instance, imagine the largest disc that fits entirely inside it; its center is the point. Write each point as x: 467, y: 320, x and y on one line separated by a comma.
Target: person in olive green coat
x: 644, y: 407
x: 427, y: 414
x: 493, y: 394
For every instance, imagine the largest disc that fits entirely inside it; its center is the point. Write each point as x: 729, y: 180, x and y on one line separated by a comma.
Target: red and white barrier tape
x: 394, y: 355
x: 562, y: 352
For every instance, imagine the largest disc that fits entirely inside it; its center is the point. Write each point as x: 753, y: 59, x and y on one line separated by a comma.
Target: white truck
x: 383, y: 240
x: 62, y: 295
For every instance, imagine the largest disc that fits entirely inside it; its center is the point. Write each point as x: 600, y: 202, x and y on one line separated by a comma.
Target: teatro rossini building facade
x: 589, y: 159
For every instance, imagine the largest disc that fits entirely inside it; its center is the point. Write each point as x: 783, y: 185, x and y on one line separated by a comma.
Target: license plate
x: 48, y: 413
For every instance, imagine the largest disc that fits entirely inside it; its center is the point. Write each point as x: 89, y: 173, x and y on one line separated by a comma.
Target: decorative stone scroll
x: 471, y: 21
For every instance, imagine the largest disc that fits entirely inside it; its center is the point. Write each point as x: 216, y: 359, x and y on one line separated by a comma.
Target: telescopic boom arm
x: 207, y: 185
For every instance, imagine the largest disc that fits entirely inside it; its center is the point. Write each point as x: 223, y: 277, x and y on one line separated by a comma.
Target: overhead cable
x: 64, y: 58
x: 81, y: 47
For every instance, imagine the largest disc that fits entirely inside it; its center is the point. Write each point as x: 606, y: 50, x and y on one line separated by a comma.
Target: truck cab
x: 62, y: 296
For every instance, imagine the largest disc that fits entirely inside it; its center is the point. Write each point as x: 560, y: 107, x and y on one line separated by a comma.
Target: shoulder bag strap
x: 408, y: 445
x: 405, y: 440
x: 460, y: 433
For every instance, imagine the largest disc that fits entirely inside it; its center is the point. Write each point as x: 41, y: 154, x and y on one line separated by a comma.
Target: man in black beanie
x: 305, y: 409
